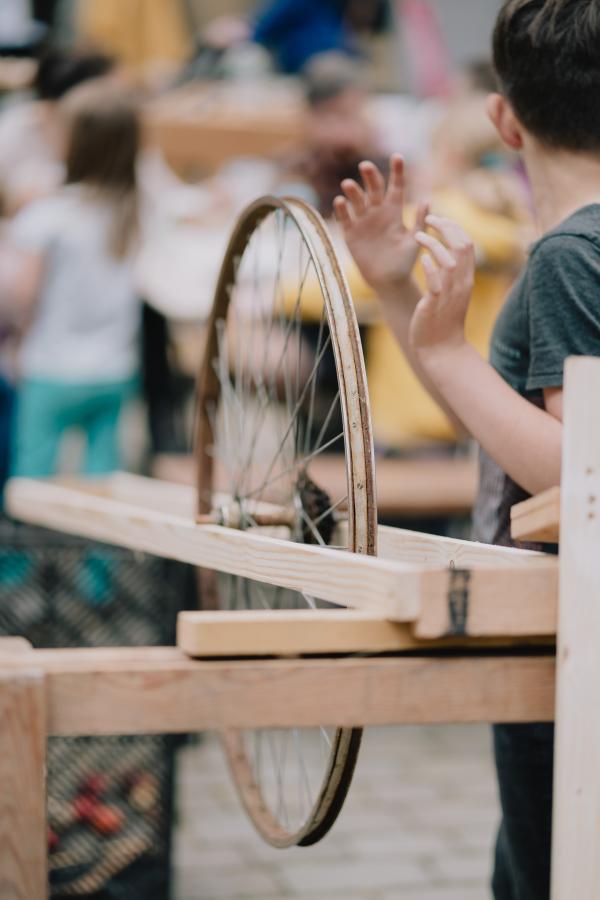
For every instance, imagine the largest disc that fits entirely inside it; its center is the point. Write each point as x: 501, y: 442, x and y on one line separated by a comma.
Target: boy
x: 548, y: 109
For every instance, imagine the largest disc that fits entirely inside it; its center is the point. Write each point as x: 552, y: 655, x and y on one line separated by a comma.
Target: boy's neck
x: 562, y: 182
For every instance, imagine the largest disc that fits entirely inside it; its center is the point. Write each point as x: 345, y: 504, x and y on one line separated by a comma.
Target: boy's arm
x: 524, y: 440
x: 386, y: 251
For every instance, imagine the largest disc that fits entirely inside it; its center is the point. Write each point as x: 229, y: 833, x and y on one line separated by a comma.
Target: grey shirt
x: 553, y: 312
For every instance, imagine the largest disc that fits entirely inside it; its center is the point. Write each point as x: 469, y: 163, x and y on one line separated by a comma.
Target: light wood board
x: 576, y: 817
x: 129, y: 691
x: 481, y: 600
x: 296, y: 632
x: 23, y: 841
x: 538, y: 518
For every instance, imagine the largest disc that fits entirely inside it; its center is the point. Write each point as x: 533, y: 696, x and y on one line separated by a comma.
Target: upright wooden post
x: 23, y: 840
x: 576, y: 821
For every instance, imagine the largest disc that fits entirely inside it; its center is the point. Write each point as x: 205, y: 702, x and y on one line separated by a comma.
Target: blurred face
x: 341, y: 123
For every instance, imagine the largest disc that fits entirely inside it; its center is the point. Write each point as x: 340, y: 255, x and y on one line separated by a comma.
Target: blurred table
x: 406, y: 488
x: 199, y: 127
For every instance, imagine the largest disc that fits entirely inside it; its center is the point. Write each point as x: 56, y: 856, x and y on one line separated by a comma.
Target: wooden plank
x: 538, y: 518
x: 503, y: 600
x: 9, y: 646
x: 511, y: 600
x: 399, y: 544
x: 415, y: 547
x: 576, y: 817
x: 23, y: 841
x: 342, y: 578
x: 117, y: 691
x: 304, y: 631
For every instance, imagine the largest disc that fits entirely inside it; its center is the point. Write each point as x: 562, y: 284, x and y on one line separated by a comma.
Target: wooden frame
x: 136, y: 691
x: 447, y: 588
x: 161, y: 690
x: 537, y: 519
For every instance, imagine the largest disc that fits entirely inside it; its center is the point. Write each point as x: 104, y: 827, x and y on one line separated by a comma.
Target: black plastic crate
x: 109, y: 798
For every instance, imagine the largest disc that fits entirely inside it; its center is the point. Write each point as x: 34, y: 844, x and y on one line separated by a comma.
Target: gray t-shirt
x: 553, y: 312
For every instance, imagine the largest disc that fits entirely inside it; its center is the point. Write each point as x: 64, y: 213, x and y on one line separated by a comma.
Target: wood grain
x: 343, y: 578
x: 576, y: 818
x: 23, y: 842
x: 538, y: 518
x: 117, y: 691
x: 306, y: 631
x: 501, y: 599
x: 484, y: 600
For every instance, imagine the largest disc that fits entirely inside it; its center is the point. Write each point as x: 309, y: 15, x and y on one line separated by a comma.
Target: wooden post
x: 23, y: 841
x: 576, y: 820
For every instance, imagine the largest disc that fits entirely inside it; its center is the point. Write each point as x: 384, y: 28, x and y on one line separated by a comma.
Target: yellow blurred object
x: 136, y: 32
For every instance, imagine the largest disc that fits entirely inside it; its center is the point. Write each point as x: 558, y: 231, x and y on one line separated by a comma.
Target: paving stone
x: 224, y: 882
x: 419, y: 823
x: 353, y: 877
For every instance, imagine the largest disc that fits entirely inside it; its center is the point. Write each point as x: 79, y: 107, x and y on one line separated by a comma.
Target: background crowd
x: 97, y: 192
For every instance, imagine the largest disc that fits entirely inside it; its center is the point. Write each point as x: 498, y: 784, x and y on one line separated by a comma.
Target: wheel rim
x: 262, y: 432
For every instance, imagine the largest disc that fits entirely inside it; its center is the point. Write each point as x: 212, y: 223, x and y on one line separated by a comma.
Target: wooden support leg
x: 576, y: 821
x: 23, y: 841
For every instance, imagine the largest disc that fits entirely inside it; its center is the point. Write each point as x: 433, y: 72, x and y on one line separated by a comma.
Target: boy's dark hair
x: 547, y: 58
x: 61, y: 70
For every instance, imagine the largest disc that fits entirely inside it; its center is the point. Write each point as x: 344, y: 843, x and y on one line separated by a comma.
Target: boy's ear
x: 506, y: 123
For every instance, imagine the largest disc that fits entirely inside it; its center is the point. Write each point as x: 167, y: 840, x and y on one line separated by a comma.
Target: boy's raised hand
x: 438, y: 322
x: 372, y: 219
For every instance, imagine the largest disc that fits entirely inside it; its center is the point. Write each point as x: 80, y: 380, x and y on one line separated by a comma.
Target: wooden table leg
x: 576, y: 818
x: 23, y: 840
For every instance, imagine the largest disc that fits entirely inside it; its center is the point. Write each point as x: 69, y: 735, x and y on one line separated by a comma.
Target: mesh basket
x: 109, y: 798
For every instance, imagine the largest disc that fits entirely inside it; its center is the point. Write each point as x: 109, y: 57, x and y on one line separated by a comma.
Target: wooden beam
x: 538, y: 518
x: 473, y: 601
x: 501, y: 600
x: 118, y: 691
x: 296, y: 632
x: 418, y: 548
x: 23, y: 840
x: 342, y: 578
x: 399, y: 544
x: 576, y: 817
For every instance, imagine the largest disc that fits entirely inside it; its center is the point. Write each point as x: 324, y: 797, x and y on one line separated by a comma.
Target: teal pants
x: 47, y: 409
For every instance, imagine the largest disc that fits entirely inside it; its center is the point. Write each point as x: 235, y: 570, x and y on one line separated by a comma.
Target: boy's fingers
x: 342, y: 212
x: 441, y: 254
x: 355, y: 195
x: 395, y: 191
x: 452, y: 233
x: 421, y: 217
x: 373, y: 181
x: 432, y: 275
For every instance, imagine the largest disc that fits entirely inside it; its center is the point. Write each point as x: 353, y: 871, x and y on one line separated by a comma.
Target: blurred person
x: 74, y: 296
x: 31, y: 163
x: 339, y: 130
x: 297, y: 30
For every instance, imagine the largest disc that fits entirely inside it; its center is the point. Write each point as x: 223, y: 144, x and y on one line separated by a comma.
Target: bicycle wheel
x: 282, y: 386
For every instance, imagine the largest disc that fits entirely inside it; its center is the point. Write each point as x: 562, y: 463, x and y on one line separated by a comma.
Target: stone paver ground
x: 418, y: 825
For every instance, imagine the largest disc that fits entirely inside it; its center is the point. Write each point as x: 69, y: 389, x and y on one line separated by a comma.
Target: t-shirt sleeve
x: 564, y: 306
x: 33, y: 228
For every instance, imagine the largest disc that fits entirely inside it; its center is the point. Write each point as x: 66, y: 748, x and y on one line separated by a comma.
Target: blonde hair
x: 103, y: 141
